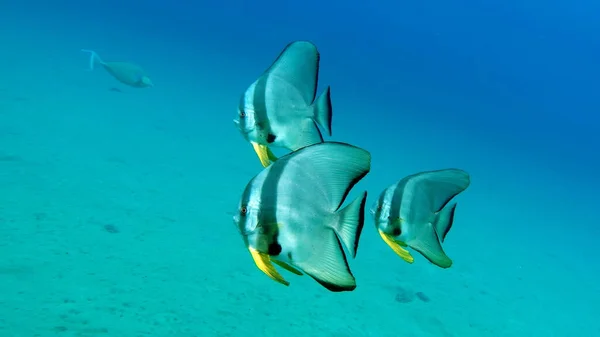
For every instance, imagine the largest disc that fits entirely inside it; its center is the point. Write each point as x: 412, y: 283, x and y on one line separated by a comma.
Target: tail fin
x: 444, y: 220
x: 93, y: 58
x: 350, y: 222
x: 323, y: 111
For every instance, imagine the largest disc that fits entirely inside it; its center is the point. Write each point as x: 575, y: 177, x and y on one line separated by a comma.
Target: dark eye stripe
x: 380, y: 202
x: 260, y: 105
x: 396, y: 201
x: 269, y: 189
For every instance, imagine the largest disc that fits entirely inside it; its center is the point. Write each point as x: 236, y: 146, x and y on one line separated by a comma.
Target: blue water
x: 115, y: 205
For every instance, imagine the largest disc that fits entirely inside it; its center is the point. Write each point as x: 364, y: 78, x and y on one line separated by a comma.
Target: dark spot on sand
x: 421, y: 295
x: 111, y: 228
x: 404, y: 295
x: 60, y: 328
x: 13, y: 270
x: 9, y: 158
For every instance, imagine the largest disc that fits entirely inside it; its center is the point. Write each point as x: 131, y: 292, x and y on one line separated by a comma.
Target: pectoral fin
x: 397, y: 248
x: 265, y: 155
x: 272, y: 157
x: 263, y: 262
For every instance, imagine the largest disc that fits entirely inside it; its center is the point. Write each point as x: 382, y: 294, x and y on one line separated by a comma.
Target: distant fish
x: 413, y: 213
x: 279, y: 108
x: 125, y: 72
x: 291, y: 214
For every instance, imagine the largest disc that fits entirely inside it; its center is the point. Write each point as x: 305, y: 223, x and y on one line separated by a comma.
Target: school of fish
x: 291, y: 214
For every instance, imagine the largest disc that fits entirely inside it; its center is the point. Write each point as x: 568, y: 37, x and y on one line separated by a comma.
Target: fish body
x: 414, y: 213
x: 280, y: 110
x: 125, y: 72
x: 291, y: 213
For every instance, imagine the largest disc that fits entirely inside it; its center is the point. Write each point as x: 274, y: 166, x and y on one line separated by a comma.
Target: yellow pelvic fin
x: 288, y: 267
x: 263, y: 262
x: 264, y: 154
x: 397, y: 247
x: 271, y: 155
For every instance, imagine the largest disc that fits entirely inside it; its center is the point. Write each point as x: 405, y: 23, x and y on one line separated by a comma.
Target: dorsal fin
x: 426, y: 193
x: 298, y: 64
x: 333, y: 168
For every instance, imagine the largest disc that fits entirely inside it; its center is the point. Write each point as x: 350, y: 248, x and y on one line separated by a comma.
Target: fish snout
x: 245, y: 128
x: 146, y: 81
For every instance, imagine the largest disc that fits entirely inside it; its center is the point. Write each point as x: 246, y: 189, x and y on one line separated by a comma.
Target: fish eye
x: 242, y: 114
x: 243, y: 210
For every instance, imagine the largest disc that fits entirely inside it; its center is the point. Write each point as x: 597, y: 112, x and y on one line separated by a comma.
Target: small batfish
x: 290, y: 214
x: 414, y: 213
x: 125, y: 72
x: 279, y: 108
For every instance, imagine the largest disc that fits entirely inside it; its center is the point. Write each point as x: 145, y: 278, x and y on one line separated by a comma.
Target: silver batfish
x: 414, y: 212
x: 291, y: 214
x: 279, y: 109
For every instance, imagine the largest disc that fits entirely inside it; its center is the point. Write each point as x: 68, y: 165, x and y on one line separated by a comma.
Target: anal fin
x: 428, y: 244
x: 327, y: 264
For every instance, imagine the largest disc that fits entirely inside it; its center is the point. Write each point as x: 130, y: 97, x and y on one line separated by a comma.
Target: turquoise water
x: 115, y: 205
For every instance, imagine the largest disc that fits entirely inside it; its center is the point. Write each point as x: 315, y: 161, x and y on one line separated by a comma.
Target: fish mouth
x: 243, y: 130
x: 397, y: 246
